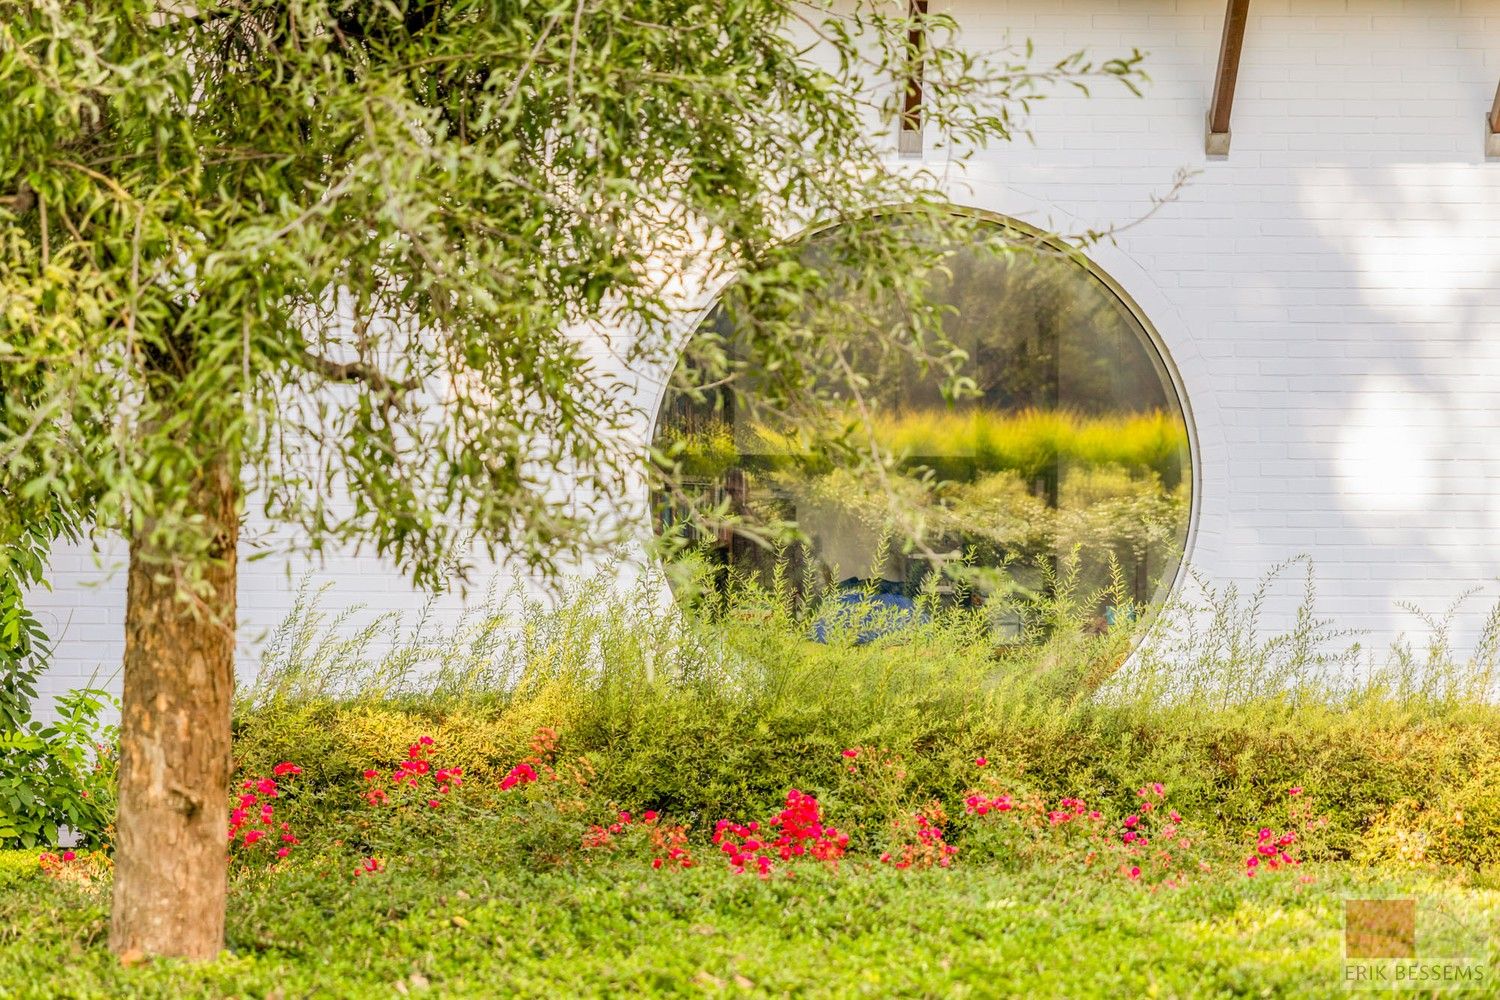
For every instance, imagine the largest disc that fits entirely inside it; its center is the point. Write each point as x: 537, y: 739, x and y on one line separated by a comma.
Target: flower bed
x: 548, y: 810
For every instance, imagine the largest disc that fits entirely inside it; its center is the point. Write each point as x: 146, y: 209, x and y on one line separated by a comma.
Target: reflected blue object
x: 874, y: 608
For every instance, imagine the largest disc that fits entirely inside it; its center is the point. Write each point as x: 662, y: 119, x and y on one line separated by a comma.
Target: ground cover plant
x: 450, y: 926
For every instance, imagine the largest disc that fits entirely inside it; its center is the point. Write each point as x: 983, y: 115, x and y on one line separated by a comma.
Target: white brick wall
x: 1326, y: 293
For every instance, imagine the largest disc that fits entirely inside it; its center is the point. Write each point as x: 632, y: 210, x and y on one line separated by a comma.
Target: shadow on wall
x: 1361, y: 392
x: 1410, y: 391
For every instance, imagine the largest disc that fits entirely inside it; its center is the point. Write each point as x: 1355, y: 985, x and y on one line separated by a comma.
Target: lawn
x: 617, y: 928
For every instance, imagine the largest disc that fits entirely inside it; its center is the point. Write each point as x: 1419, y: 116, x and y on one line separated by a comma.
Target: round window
x: 1066, y: 464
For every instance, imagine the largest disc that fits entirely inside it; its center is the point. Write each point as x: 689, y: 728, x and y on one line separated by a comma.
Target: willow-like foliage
x: 399, y: 261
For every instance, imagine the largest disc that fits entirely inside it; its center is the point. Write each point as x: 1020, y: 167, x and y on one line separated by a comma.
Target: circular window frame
x: 1153, y: 341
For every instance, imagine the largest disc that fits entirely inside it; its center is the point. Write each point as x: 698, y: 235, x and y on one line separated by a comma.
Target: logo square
x: 1380, y: 928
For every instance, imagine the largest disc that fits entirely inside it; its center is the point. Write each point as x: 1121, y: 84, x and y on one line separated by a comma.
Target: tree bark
x: 171, y: 867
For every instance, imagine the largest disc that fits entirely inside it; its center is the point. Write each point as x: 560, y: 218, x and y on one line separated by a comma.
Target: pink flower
x: 1135, y: 872
x: 1131, y: 821
x: 68, y: 855
x: 284, y: 768
x: 521, y: 774
x: 1295, y: 790
x: 371, y: 775
x: 649, y: 816
x: 656, y: 862
x: 1158, y: 788
x: 283, y: 852
x: 981, y: 761
x: 252, y: 836
x: 851, y: 754
x: 425, y: 741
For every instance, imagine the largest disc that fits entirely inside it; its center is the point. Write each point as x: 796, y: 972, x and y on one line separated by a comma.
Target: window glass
x: 1070, y: 457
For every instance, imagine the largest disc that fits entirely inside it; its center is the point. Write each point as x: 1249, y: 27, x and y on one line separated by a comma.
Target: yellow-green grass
x: 1029, y: 442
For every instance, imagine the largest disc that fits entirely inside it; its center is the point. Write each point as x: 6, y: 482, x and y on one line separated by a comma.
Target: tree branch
x: 356, y: 371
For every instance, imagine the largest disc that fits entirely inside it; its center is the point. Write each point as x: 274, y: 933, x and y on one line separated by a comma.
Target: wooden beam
x: 911, y: 108
x: 1235, y: 15
x: 1492, y: 136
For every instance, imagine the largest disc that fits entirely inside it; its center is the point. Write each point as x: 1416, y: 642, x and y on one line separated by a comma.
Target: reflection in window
x: 1074, y: 442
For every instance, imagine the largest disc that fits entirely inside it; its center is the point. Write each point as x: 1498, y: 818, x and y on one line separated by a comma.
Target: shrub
x: 254, y: 830
x: 28, y: 527
x: 1455, y: 827
x: 1028, y: 442
x: 703, y: 716
x: 796, y: 832
x: 58, y: 774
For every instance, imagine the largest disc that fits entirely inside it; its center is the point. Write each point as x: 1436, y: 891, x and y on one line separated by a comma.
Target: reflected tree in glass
x: 1062, y: 440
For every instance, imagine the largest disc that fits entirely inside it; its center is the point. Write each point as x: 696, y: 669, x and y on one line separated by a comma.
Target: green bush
x: 51, y: 774
x: 18, y: 866
x: 716, y: 714
x: 28, y: 527
x: 1030, y: 442
x: 58, y: 774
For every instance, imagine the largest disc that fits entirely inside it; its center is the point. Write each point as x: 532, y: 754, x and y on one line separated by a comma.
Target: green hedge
x: 716, y: 715
x: 699, y: 759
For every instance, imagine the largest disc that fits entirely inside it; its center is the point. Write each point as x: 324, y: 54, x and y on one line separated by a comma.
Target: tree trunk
x: 170, y: 850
